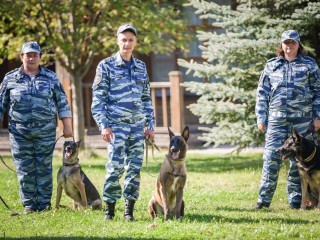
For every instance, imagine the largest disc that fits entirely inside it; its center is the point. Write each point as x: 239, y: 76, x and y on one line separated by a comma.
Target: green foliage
x: 74, y: 32
x: 234, y: 59
x: 220, y: 193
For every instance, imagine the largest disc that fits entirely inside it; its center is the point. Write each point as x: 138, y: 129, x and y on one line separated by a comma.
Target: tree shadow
x: 223, y: 219
x: 80, y: 237
x: 215, y: 164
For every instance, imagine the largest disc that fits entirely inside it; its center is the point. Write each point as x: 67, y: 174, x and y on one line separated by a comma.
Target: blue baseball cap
x: 290, y: 34
x: 126, y: 27
x: 31, y: 47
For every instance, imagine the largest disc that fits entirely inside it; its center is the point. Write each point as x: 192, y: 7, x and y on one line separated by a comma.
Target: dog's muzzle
x: 174, y: 154
x: 68, y: 152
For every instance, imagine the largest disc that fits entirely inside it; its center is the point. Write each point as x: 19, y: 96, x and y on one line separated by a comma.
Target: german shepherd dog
x: 168, y: 196
x: 307, y: 155
x: 74, y: 181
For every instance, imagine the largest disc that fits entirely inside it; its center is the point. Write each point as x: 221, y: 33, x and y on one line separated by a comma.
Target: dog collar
x: 308, y: 159
x: 71, y: 164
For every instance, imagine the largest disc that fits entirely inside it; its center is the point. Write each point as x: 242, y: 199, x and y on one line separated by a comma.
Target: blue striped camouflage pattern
x: 34, y: 100
x: 33, y: 105
x: 291, y: 88
x: 122, y: 101
x: 120, y: 95
x: 288, y: 95
x: 125, y: 152
x: 32, y: 147
x: 278, y: 131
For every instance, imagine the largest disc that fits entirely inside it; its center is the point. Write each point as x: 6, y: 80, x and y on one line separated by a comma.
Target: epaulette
x: 273, y: 59
x: 12, y: 71
x: 309, y: 58
x: 109, y: 59
x: 48, y: 72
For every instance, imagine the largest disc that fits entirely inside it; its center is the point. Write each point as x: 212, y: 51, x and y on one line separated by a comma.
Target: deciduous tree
x: 73, y: 32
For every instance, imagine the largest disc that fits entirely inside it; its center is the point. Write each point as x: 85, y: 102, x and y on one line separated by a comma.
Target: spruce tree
x: 235, y: 56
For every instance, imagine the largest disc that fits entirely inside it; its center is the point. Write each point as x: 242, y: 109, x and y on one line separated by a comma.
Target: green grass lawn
x: 220, y: 194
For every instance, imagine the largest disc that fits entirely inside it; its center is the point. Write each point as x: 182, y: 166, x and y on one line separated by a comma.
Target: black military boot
x: 109, y: 213
x: 128, y: 210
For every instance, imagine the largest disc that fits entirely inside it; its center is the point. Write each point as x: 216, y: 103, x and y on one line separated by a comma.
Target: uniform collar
x: 299, y: 57
x: 41, y: 71
x: 119, y: 61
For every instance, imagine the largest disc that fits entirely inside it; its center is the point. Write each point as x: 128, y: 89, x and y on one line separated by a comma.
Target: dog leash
x: 16, y: 171
x: 150, y: 143
x: 6, y: 164
x: 315, y: 134
x: 13, y: 212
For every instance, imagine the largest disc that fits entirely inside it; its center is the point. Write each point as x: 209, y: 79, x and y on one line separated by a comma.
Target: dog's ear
x: 185, y: 133
x: 78, y: 143
x: 171, y: 134
x: 295, y: 135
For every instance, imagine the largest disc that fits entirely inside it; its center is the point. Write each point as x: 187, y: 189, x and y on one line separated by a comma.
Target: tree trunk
x: 77, y: 110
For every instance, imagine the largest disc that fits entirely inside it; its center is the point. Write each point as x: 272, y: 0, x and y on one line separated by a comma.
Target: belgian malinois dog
x: 307, y: 155
x: 168, y: 196
x: 74, y: 181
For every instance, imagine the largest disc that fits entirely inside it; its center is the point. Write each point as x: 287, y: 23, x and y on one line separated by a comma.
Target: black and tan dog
x: 74, y: 181
x: 307, y: 155
x: 168, y: 197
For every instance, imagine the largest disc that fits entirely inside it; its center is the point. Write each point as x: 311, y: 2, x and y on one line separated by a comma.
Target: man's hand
x: 316, y: 124
x: 107, y: 135
x: 149, y: 133
x: 261, y: 127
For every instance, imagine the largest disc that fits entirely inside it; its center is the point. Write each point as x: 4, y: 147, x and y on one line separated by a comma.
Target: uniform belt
x: 298, y: 114
x: 33, y: 124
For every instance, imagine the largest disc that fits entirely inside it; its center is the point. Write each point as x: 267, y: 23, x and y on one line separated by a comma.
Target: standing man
x: 33, y: 95
x: 122, y: 107
x: 288, y: 95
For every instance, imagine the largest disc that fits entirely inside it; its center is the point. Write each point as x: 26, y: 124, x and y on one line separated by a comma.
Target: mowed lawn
x: 220, y: 194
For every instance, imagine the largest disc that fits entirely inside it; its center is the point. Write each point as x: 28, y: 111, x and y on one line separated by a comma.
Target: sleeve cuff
x: 261, y: 121
x: 65, y: 114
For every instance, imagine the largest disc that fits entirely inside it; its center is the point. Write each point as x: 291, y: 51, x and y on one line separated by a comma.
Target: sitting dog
x: 168, y: 197
x: 74, y: 181
x: 307, y: 155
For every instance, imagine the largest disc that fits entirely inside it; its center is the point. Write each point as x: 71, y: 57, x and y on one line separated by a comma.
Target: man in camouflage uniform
x: 33, y: 95
x: 288, y: 95
x: 122, y: 108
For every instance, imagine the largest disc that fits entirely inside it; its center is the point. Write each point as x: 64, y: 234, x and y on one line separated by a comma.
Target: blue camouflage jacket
x: 289, y: 89
x: 121, y: 95
x: 36, y: 100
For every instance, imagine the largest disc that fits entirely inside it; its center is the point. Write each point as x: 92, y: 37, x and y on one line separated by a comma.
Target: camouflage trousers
x: 125, y: 152
x: 278, y: 130
x: 32, y: 148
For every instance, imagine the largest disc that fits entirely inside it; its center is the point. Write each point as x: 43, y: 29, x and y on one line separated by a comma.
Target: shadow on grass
x: 80, y: 237
x: 207, y: 164
x: 223, y: 219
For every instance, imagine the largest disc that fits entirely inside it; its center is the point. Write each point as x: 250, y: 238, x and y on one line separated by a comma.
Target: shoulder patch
x: 97, y: 78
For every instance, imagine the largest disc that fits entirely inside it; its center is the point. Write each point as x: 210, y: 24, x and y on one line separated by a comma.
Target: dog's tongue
x: 68, y: 154
x: 175, y: 155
